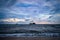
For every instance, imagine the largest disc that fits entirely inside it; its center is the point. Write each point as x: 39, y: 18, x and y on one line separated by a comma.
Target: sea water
x: 26, y: 30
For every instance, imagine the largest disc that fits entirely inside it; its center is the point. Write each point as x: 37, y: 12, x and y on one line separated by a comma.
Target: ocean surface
x: 27, y: 30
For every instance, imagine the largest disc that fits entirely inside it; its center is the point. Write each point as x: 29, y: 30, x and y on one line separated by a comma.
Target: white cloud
x: 44, y: 16
x: 15, y: 20
x: 48, y: 4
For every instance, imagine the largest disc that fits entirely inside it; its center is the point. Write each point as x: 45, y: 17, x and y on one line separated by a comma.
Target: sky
x: 26, y: 11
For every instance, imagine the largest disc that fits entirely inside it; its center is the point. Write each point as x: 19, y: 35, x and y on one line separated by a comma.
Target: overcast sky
x: 26, y: 11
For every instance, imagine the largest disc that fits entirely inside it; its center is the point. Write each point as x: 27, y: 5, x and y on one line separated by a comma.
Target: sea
x: 29, y: 30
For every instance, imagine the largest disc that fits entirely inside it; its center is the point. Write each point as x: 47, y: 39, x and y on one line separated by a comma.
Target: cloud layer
x: 43, y: 11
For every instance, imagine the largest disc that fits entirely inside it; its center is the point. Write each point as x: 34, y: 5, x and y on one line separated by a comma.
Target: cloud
x: 7, y: 3
x: 43, y: 11
x: 44, y: 16
x: 54, y: 19
x: 13, y: 20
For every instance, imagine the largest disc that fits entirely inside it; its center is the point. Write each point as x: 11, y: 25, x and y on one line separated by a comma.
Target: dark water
x: 26, y: 30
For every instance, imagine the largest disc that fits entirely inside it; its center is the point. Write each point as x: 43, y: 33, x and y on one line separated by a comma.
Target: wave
x: 31, y: 35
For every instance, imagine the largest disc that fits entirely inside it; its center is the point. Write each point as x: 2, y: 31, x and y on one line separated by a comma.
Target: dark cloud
x: 7, y: 3
x: 4, y: 4
x: 56, y: 5
x: 25, y: 5
x: 2, y: 15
